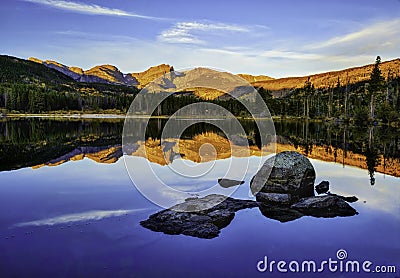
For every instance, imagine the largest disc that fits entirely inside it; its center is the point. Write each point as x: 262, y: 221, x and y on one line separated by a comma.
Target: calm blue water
x: 81, y: 219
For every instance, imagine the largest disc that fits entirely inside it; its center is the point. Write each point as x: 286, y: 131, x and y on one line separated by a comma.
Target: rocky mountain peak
x: 254, y: 78
x: 108, y: 73
x: 76, y: 70
x: 151, y: 74
x: 104, y: 68
x: 36, y: 60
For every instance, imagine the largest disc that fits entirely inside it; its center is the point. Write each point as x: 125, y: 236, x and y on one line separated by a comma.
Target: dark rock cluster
x: 284, y: 190
x: 194, y: 217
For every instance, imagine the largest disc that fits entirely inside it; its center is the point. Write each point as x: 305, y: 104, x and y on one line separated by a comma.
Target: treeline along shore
x: 28, y: 88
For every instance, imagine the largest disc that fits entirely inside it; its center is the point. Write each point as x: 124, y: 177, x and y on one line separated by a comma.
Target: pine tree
x: 308, y: 90
x: 375, y: 85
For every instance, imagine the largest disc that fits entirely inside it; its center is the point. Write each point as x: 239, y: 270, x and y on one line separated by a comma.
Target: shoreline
x: 112, y: 116
x: 80, y: 116
x: 105, y: 116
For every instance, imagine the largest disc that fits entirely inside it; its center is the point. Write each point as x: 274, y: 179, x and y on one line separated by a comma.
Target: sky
x: 276, y: 38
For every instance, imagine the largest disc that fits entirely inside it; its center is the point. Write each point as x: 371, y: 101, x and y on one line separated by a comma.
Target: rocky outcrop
x: 76, y: 70
x: 73, y: 73
x: 320, y: 206
x: 197, y: 217
x: 254, y: 78
x: 36, y: 60
x: 205, y: 217
x: 284, y: 187
x: 284, y: 190
x: 151, y: 74
x: 287, y: 172
x: 349, y: 199
x: 324, y: 206
x: 63, y: 69
x: 99, y: 74
x: 204, y: 83
x: 107, y: 74
x: 274, y: 198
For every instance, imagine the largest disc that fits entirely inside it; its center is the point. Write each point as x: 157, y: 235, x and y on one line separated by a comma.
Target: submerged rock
x: 324, y: 206
x: 273, y: 198
x: 287, y: 172
x: 195, y: 217
x: 322, y: 187
x: 349, y: 199
x: 229, y: 183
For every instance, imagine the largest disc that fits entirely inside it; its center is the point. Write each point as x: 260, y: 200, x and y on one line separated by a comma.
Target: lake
x: 69, y: 207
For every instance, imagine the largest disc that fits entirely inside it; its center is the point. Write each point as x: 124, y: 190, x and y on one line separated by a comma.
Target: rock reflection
x: 280, y: 213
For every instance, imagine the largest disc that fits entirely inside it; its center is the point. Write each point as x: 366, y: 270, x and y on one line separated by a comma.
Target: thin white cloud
x: 91, y: 9
x: 233, y: 52
x: 189, y: 32
x: 379, y: 33
x: 91, y: 36
x: 77, y: 217
x: 270, y: 54
x: 290, y: 55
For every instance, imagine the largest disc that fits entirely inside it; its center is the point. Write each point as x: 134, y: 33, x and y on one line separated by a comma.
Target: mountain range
x: 110, y: 74
x: 107, y: 74
x: 282, y: 86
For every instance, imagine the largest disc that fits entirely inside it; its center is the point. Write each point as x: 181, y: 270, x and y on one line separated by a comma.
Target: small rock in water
x: 350, y: 199
x: 229, y: 183
x: 322, y: 187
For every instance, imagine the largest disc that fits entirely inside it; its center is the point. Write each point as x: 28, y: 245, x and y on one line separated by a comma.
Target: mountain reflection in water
x: 39, y: 142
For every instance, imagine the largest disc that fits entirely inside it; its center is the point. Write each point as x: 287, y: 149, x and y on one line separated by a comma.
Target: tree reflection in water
x: 32, y: 142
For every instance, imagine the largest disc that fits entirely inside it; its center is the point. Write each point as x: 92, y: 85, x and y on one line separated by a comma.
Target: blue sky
x: 276, y: 38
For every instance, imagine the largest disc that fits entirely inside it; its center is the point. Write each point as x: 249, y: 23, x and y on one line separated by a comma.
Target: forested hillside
x: 29, y: 87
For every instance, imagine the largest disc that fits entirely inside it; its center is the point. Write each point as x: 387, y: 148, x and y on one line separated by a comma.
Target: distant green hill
x: 17, y: 70
x: 29, y: 87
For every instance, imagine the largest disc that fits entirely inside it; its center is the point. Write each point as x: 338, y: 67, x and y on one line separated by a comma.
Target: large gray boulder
x: 287, y: 172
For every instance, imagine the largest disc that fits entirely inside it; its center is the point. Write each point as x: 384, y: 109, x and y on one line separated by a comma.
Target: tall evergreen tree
x: 308, y: 91
x: 375, y: 85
